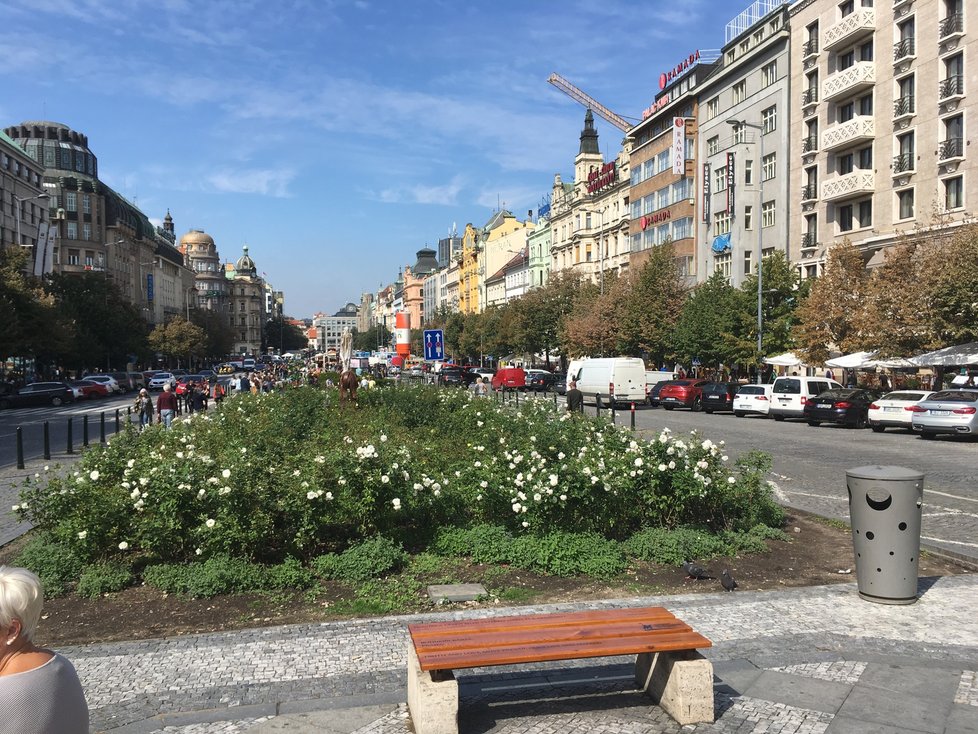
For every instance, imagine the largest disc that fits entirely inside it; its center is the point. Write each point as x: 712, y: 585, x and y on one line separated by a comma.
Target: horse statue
x: 348, y: 386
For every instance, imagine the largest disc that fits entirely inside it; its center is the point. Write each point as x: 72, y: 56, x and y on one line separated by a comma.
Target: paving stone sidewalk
x: 805, y: 660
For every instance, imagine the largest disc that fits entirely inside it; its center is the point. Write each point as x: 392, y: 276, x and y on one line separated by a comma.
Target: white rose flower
x: 537, y: 497
x: 329, y: 495
x: 553, y: 480
x: 131, y: 463
x: 198, y: 551
x: 384, y: 479
x: 310, y: 495
x: 211, y: 522
x: 201, y: 492
x: 179, y: 454
x: 517, y: 507
x: 639, y: 462
x: 563, y: 498
x: 397, y: 503
x: 82, y: 535
x: 94, y: 475
x: 526, y: 524
x: 662, y: 467
x: 123, y: 545
x: 731, y: 480
x: 383, y: 438
x: 672, y: 464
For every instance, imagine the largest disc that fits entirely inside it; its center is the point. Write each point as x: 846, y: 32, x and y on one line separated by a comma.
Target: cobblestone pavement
x: 807, y: 660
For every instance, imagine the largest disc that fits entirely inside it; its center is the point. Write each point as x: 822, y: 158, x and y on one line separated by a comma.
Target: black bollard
x: 47, y: 440
x: 555, y: 400
x: 101, y: 433
x: 20, y: 447
x: 633, y: 416
x: 116, y: 420
x: 70, y: 447
x: 516, y: 394
x: 85, y: 430
x: 597, y: 406
x: 614, y: 412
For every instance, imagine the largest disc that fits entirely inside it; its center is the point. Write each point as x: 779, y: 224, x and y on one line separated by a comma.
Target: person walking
x: 480, y: 388
x: 166, y: 405
x: 144, y: 408
x: 575, y: 398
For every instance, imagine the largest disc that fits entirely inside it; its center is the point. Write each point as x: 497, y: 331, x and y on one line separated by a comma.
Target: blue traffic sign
x: 434, y: 344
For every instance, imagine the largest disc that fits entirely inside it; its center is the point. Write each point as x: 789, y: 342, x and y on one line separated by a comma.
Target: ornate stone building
x: 202, y: 257
x: 246, y: 296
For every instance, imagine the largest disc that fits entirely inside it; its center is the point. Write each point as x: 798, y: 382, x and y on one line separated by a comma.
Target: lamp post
x: 759, y: 223
x: 20, y: 200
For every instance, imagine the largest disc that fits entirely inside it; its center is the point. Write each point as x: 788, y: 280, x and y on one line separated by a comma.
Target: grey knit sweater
x: 46, y: 700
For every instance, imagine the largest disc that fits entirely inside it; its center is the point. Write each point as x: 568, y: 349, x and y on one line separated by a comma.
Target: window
x: 721, y: 223
x: 748, y: 259
x: 769, y: 120
x: 744, y: 46
x: 904, y: 103
x: 89, y: 259
x: 71, y: 232
x: 866, y: 51
x: 662, y: 162
x: 905, y: 202
x: 866, y: 213
x: 748, y: 172
x: 758, y: 36
x: 722, y: 263
x: 86, y: 204
x: 682, y: 228
x: 739, y: 92
x: 954, y: 193
x: 843, y: 216
x: 71, y: 201
x: 720, y: 178
x: 768, y: 214
x: 844, y: 112
x: 843, y: 164
x: 769, y: 166
x: 953, y: 82
x: 769, y: 74
x: 712, y: 108
x: 846, y: 8
x: 866, y: 158
x: 748, y: 217
x: 73, y: 257
x: 844, y: 61
x: 866, y: 105
x: 86, y: 231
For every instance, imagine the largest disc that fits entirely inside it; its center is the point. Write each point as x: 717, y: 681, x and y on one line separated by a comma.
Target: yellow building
x: 468, y: 274
x: 503, y: 237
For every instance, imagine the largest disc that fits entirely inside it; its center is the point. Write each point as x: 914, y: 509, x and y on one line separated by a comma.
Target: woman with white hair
x: 39, y: 689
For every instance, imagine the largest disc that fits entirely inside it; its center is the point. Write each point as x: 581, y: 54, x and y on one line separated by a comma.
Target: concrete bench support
x: 681, y: 683
x: 432, y: 697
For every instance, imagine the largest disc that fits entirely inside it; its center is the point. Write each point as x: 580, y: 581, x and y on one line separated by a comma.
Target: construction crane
x: 576, y: 94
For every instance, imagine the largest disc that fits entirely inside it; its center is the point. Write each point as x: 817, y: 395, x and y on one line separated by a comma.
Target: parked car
x: 654, y: 377
x: 89, y: 389
x: 123, y: 379
x: 39, y: 393
x: 157, y: 381
x: 509, y: 378
x: 719, y: 396
x: 110, y: 382
x: 614, y: 379
x: 416, y: 372
x: 179, y: 373
x: 894, y: 410
x: 686, y: 393
x: 846, y: 405
x: 752, y: 399
x: 946, y: 411
x: 539, y: 380
x: 559, y: 385
x: 789, y: 394
x: 184, y: 382
x: 652, y: 394
x: 451, y: 376
x: 208, y: 374
x: 473, y: 373
x: 137, y: 380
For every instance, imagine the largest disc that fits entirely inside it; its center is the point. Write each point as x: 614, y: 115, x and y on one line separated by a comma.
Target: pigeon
x: 727, y: 581
x: 693, y: 571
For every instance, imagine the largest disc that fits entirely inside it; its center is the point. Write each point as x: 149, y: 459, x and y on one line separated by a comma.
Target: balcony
x: 809, y: 97
x: 809, y: 144
x: 854, y: 26
x: 903, y: 163
x: 952, y: 25
x: 809, y: 241
x: 849, y: 185
x: 950, y: 149
x: 904, y: 50
x: 952, y: 86
x: 844, y: 134
x: 810, y: 48
x: 809, y: 192
x: 903, y: 106
x: 858, y: 77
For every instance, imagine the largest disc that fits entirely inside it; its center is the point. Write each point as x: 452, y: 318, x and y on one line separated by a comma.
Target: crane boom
x: 576, y: 94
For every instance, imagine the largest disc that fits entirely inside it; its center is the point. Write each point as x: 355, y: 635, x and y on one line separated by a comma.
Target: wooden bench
x: 668, y: 666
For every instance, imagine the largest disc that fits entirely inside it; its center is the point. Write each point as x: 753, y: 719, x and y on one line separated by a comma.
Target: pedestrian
x: 575, y: 398
x: 39, y: 689
x: 197, y: 397
x: 166, y: 405
x: 480, y: 388
x: 218, y: 392
x: 144, y: 408
x: 830, y: 374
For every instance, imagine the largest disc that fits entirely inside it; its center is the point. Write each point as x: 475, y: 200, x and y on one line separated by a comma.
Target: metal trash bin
x: 884, y: 511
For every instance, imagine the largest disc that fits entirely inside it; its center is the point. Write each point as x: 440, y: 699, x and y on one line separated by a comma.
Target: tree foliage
x: 178, y: 338
x: 892, y: 321
x: 281, y: 335
x: 369, y: 340
x: 217, y: 331
x: 949, y: 269
x: 654, y: 303
x: 32, y: 324
x: 707, y: 325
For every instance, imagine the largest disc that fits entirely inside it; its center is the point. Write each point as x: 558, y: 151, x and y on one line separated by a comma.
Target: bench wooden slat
x: 570, y: 650
x: 537, y: 621
x: 488, y: 639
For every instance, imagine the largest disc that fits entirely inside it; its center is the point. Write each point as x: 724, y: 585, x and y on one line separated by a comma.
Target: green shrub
x: 569, y: 554
x: 103, y: 578
x: 217, y: 575
x: 383, y: 596
x: 482, y: 543
x: 290, y: 574
x: 54, y: 563
x: 673, y: 547
x: 370, y: 559
x: 769, y: 533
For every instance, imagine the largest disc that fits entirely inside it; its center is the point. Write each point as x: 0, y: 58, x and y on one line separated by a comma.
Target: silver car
x: 947, y: 411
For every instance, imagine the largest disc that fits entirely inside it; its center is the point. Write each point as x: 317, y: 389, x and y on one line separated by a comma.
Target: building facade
x: 884, y: 109
x: 246, y: 299
x: 23, y: 200
x: 538, y: 244
x: 468, y: 275
x: 503, y: 237
x: 203, y: 258
x: 331, y: 328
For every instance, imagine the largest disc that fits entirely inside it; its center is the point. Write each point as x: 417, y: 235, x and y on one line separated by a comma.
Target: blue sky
x: 336, y: 138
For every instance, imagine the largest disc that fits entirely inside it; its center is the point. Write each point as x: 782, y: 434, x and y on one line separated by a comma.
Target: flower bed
x: 295, y: 476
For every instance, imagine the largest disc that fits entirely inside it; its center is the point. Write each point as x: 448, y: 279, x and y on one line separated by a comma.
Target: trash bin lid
x: 885, y: 473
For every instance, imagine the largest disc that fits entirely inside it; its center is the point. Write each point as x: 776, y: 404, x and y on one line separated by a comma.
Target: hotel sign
x: 678, y: 70
x: 679, y: 146
x: 649, y: 219
x: 604, y: 176
x: 731, y: 179
x: 706, y: 192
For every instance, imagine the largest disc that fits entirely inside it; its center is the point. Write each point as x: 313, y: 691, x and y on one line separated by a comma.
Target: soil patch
x: 819, y: 552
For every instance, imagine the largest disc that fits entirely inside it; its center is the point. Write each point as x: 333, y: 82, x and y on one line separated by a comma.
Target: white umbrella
x: 956, y: 356
x: 788, y: 359
x: 897, y: 363
x: 852, y: 361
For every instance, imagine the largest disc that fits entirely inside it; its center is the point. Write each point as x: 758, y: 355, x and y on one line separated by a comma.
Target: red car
x: 509, y: 378
x: 682, y: 394
x: 183, y: 382
x: 90, y: 389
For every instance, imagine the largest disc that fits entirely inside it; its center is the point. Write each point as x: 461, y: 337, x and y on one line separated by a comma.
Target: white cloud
x: 446, y: 194
x: 263, y: 181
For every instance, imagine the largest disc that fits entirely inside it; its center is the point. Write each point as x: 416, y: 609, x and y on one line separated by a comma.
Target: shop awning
x: 960, y: 355
x: 854, y: 361
x: 788, y: 359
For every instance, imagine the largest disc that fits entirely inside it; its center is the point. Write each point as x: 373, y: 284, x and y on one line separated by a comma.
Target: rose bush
x: 294, y: 475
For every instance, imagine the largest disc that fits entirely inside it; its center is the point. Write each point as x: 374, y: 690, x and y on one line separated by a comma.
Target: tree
x: 284, y: 336
x: 178, y: 338
x: 828, y: 317
x: 782, y: 293
x: 377, y: 336
x: 950, y: 274
x: 32, y: 325
x: 543, y: 311
x: 656, y: 300
x: 893, y: 320
x: 219, y: 340
x: 707, y: 325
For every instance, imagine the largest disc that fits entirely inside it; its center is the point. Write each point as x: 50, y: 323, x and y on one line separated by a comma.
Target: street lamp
x: 20, y: 200
x: 759, y: 223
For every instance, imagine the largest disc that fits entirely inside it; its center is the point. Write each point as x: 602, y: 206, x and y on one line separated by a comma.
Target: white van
x: 618, y: 379
x: 789, y: 394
